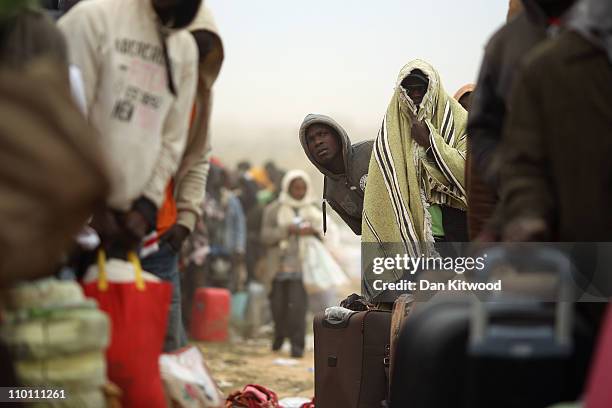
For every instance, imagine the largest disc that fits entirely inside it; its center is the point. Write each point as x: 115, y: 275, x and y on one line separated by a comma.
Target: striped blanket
x: 405, y: 178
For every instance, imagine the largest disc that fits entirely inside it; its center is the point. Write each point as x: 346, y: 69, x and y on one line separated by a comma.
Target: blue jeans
x: 164, y: 265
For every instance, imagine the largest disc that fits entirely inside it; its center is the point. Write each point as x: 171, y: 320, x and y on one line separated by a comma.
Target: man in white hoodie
x: 185, y: 192
x: 140, y: 75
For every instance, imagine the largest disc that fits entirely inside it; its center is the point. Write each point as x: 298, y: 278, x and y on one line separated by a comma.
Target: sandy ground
x: 240, y: 362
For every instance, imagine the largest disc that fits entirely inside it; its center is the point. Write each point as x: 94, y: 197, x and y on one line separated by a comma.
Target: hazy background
x: 287, y: 58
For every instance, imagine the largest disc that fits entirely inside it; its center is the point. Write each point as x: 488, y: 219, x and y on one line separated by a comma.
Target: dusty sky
x: 288, y: 58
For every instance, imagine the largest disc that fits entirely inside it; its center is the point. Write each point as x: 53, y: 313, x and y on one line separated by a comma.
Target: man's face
x: 416, y: 87
x: 176, y: 14
x: 165, y: 9
x: 323, y: 143
x: 298, y: 189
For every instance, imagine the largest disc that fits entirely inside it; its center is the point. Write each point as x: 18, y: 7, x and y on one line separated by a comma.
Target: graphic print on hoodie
x: 143, y: 125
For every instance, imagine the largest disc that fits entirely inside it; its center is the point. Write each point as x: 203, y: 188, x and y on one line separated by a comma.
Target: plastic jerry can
x: 210, y: 314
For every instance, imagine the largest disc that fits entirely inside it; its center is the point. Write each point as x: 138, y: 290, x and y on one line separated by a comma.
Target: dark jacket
x: 343, y: 192
x: 52, y: 175
x: 557, y: 147
x: 28, y: 34
x: 503, y: 54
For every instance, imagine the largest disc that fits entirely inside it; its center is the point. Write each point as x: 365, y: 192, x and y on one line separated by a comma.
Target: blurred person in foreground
x: 45, y: 141
x: 140, y: 76
x: 556, y: 150
x: 343, y: 165
x: 527, y: 27
x: 182, y: 206
x: 555, y: 154
x: 60, y: 145
x: 285, y: 221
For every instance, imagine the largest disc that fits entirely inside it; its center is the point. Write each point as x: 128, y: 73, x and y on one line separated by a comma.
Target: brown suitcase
x: 352, y: 360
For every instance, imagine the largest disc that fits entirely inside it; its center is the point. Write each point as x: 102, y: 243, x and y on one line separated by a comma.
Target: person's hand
x: 106, y: 224
x: 525, y: 229
x: 135, y: 224
x: 114, y: 231
x: 419, y: 131
x: 175, y: 236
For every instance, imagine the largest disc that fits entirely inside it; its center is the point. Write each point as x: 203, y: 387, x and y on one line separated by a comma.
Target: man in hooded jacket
x: 140, y: 75
x: 503, y: 54
x: 344, y: 165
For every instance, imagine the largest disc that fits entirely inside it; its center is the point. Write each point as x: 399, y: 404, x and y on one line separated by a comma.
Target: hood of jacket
x: 210, y: 67
x: 593, y: 20
x: 345, y: 143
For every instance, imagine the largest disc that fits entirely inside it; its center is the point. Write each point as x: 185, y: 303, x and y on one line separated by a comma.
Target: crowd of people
x: 115, y: 99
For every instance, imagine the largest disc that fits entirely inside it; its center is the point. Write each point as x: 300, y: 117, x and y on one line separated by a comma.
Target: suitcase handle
x: 516, y: 256
x: 551, y: 259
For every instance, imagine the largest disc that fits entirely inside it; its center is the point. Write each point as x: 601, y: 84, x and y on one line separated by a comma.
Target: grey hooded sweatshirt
x: 344, y: 192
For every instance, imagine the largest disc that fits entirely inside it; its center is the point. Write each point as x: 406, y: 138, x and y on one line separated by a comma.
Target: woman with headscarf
x: 415, y: 194
x: 285, y: 222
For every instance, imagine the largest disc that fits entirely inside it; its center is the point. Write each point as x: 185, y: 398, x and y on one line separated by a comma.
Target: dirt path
x: 239, y: 362
x: 236, y: 364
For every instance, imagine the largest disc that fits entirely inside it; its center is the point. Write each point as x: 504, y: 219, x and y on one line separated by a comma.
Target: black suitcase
x: 352, y: 360
x: 430, y: 361
x: 465, y: 353
x: 525, y: 348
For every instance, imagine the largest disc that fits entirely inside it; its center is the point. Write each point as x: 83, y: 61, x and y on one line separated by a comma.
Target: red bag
x: 252, y: 396
x: 138, y: 312
x: 310, y: 404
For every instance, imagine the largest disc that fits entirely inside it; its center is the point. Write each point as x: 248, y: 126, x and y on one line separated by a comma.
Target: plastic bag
x: 188, y: 381
x: 321, y: 272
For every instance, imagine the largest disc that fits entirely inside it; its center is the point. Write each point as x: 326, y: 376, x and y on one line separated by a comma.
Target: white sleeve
x: 84, y: 35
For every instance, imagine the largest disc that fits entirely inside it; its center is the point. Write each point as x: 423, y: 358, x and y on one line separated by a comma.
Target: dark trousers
x: 289, y: 303
x: 193, y: 277
x: 164, y: 265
